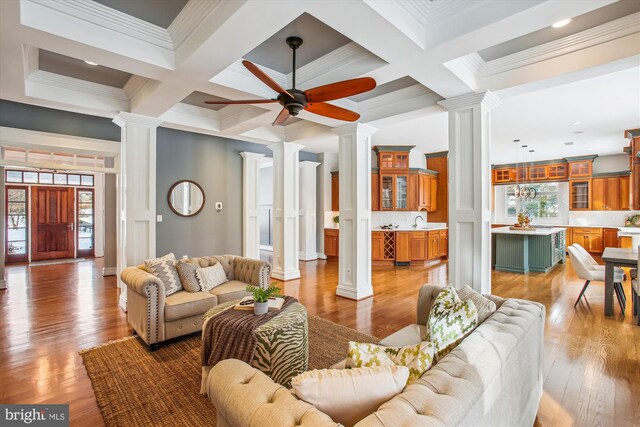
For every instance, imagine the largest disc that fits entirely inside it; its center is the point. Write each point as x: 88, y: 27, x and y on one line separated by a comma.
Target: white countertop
x: 628, y: 231
x: 438, y: 227
x: 534, y: 232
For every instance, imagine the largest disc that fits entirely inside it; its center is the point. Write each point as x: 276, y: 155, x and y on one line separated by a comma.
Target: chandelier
x: 524, y: 192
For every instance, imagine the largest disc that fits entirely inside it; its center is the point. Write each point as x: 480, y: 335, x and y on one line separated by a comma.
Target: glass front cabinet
x: 394, y: 192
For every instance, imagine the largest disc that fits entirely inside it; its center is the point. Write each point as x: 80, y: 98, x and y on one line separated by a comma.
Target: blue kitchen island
x: 522, y: 251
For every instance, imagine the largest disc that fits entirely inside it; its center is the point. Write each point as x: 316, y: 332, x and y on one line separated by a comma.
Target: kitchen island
x: 521, y: 251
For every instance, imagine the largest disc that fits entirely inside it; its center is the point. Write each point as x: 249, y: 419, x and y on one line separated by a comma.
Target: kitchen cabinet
x: 537, y: 173
x: 393, y: 160
x: 610, y: 237
x: 377, y: 246
x: 331, y: 242
x: 433, y: 244
x: 580, y: 169
x: 418, y: 249
x: 432, y: 206
x: 444, y: 243
x: 555, y: 172
x: 403, y: 246
x: 589, y: 238
x: 394, y: 192
x: 580, y: 195
x: 624, y: 242
x: 504, y: 175
x: 569, y: 236
x: 610, y: 193
x: 335, y: 192
x: 625, y: 192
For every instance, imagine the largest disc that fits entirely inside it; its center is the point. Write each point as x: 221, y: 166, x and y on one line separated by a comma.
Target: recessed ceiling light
x: 91, y: 63
x: 568, y: 143
x: 561, y: 23
x: 516, y: 140
x: 524, y: 146
x: 578, y: 132
x: 577, y: 123
x: 531, y: 151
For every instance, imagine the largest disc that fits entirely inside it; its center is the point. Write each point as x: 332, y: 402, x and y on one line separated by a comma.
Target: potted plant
x: 336, y: 221
x: 261, y: 297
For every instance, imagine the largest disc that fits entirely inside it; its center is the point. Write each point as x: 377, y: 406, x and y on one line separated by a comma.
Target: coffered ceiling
x: 163, y: 58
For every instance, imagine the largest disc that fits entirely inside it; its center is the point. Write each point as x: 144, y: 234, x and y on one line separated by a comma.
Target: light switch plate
x: 158, y: 218
x: 218, y: 206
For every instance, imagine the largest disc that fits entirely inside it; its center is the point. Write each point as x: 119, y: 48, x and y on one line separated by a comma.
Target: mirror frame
x: 204, y: 198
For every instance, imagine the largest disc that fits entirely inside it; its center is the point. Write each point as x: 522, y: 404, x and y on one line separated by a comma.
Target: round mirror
x: 186, y: 198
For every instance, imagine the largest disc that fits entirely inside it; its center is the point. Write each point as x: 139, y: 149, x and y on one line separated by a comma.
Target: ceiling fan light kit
x: 313, y: 100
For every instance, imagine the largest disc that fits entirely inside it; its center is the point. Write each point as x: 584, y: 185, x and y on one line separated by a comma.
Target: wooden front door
x: 52, y: 223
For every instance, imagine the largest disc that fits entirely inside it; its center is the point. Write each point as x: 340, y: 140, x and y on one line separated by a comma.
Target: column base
x: 321, y: 256
x: 354, y: 294
x: 109, y: 271
x: 311, y: 256
x: 122, y: 301
x: 288, y: 275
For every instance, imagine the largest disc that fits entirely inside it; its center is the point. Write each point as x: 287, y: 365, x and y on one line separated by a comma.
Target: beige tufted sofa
x: 492, y: 378
x: 156, y: 318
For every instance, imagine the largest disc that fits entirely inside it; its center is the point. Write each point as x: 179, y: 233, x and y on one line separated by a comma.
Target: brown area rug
x: 135, y: 387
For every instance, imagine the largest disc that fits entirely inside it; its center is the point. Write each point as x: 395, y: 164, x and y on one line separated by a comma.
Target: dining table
x: 615, y: 257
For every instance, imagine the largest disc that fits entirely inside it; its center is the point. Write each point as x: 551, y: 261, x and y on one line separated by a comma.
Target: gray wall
x: 24, y: 116
x: 110, y: 221
x: 215, y: 164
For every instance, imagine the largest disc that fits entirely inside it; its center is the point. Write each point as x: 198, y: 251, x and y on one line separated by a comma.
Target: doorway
x: 52, y: 223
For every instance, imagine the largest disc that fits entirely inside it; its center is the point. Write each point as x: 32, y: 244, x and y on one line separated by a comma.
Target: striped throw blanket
x: 231, y: 334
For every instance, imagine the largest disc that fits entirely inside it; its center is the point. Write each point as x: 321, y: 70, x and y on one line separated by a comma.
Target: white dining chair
x: 591, y: 260
x: 586, y: 271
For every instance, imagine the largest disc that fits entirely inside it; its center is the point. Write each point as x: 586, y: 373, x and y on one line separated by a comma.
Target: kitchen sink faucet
x: 415, y: 221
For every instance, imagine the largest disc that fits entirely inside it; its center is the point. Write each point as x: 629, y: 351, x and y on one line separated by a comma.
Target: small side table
x: 282, y: 349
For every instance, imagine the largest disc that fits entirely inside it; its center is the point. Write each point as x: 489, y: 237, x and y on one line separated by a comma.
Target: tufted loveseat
x: 156, y: 317
x: 492, y: 378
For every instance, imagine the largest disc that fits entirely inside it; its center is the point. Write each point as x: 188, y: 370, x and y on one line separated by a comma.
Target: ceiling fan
x: 313, y: 100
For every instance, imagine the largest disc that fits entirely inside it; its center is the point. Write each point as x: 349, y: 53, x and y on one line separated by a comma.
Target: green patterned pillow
x: 450, y: 320
x: 418, y: 358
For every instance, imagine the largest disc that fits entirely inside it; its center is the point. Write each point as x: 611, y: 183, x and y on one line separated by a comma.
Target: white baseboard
x: 122, y: 302
x: 109, y: 271
x: 289, y: 275
x: 3, y: 284
x: 312, y: 256
x: 321, y: 255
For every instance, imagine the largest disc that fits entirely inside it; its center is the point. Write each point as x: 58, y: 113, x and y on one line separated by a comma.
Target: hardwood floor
x: 49, y: 313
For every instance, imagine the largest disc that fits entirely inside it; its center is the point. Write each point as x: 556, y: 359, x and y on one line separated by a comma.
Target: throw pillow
x: 450, y: 320
x: 211, y: 277
x: 164, y: 268
x: 418, y: 358
x: 187, y: 273
x: 349, y: 395
x: 484, y: 305
x: 155, y: 261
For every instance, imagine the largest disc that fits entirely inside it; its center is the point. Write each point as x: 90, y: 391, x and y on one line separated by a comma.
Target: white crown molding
x: 303, y: 129
x: 359, y: 128
x: 110, y: 19
x: 190, y: 18
x: 123, y: 119
x: 487, y: 99
x: 431, y: 13
x: 191, y: 115
x: 77, y: 85
x: 31, y: 139
x: 594, y: 36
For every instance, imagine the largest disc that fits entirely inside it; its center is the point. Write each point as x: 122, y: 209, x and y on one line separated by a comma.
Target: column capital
x: 309, y: 164
x: 289, y: 146
x: 123, y: 119
x: 250, y: 155
x: 355, y: 128
x: 487, y: 99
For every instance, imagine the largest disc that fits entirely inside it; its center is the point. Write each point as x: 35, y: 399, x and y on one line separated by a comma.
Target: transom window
x: 49, y: 178
x: 545, y: 204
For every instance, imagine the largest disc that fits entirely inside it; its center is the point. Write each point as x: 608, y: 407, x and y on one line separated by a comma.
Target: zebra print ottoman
x: 282, y: 349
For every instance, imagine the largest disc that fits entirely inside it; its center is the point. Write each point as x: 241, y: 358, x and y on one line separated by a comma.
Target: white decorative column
x: 286, y: 205
x: 308, y: 248
x: 470, y: 189
x: 136, y: 193
x: 251, y: 204
x: 354, y: 160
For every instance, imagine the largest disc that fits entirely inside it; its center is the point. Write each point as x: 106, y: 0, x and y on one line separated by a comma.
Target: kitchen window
x: 545, y: 204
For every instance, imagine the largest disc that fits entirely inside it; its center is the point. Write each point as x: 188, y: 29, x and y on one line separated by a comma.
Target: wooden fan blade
x: 333, y: 111
x: 244, y: 101
x: 341, y: 89
x: 264, y: 78
x: 282, y: 117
